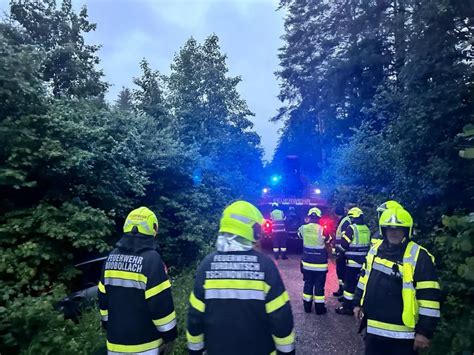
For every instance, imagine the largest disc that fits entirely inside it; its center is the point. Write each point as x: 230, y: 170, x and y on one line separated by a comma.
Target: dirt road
x: 327, y: 334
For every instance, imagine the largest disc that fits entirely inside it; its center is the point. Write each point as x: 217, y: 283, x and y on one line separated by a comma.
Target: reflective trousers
x: 351, y: 276
x: 376, y: 345
x: 313, y: 288
x: 279, y: 243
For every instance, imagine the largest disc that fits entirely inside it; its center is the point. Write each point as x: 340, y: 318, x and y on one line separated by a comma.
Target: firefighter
x: 383, y: 207
x: 344, y: 222
x: 398, y: 291
x: 135, y: 301
x: 239, y: 304
x: 355, y: 244
x: 278, y: 232
x: 314, y: 264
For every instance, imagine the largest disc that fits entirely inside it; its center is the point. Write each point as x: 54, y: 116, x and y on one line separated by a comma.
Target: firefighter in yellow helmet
x: 279, y: 234
x: 239, y: 304
x: 343, y: 224
x: 380, y: 209
x: 398, y: 290
x: 314, y: 264
x: 135, y: 301
x: 355, y: 244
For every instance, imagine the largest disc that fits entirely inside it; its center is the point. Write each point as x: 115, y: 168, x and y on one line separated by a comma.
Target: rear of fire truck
x: 295, y: 195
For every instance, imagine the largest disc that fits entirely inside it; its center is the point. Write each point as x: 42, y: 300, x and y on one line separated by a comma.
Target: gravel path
x: 327, y: 334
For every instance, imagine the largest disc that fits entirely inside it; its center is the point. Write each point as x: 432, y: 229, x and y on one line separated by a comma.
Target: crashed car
x: 85, y: 293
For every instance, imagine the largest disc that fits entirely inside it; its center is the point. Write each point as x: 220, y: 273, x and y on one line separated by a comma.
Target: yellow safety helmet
x: 315, y: 211
x: 388, y: 204
x: 240, y: 218
x: 141, y: 220
x: 355, y: 212
x: 396, y: 218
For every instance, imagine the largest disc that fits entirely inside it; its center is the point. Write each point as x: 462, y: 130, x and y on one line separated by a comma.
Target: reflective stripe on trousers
x: 195, y: 346
x: 285, y: 348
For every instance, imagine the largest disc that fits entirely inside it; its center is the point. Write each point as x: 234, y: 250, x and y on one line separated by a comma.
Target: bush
x: 31, y: 325
x: 182, y: 286
x: 453, y: 248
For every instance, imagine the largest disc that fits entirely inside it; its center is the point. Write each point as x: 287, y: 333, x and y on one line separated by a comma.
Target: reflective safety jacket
x: 278, y: 221
x: 315, y: 256
x: 239, y: 305
x: 355, y: 243
x: 399, y: 291
x: 135, y: 301
x: 376, y: 237
x: 344, y: 223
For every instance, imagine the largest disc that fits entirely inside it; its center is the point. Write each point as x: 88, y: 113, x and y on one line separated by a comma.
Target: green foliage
x: 39, y: 329
x: 182, y: 286
x: 36, y: 327
x: 69, y: 64
x: 467, y: 137
x: 453, y: 248
x: 362, y: 197
x: 71, y: 166
x: 389, y: 85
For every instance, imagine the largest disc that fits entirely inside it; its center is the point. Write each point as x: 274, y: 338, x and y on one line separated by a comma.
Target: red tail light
x: 327, y: 223
x: 267, y: 227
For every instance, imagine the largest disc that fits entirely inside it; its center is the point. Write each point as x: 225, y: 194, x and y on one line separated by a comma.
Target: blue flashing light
x: 275, y: 179
x: 265, y: 190
x: 317, y: 191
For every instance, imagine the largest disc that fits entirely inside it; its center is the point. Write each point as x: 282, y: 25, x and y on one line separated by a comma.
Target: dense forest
x: 377, y: 100
x: 73, y: 165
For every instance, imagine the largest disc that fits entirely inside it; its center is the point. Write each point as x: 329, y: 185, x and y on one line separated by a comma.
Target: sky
x: 249, y: 33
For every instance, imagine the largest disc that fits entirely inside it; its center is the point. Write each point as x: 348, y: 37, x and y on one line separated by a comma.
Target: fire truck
x: 295, y: 195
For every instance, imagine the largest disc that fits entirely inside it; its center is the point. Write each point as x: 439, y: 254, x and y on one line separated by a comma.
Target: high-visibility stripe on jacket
x: 239, y: 305
x: 135, y: 302
x: 356, y: 243
x: 315, y: 256
x: 400, y: 296
x: 343, y: 224
x: 278, y: 221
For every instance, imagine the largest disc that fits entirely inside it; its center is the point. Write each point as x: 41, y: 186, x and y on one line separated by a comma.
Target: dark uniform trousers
x: 279, y: 243
x: 376, y: 345
x: 340, y: 267
x: 314, y: 282
x: 351, y: 276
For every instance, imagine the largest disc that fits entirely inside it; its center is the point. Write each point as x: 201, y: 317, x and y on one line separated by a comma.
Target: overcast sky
x: 249, y: 32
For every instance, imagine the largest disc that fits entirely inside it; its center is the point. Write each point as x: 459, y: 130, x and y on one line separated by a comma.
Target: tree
x: 148, y: 98
x: 69, y: 66
x: 124, y: 101
x: 210, y: 115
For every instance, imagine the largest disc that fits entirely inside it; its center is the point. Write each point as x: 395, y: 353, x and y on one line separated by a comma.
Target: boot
x: 340, y: 299
x: 284, y: 257
x: 307, y: 306
x: 344, y: 310
x: 339, y: 292
x: 320, y: 308
x: 277, y: 256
